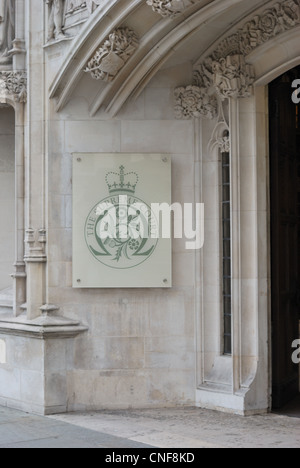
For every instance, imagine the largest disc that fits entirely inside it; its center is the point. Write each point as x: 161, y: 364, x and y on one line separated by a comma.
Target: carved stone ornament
x: 224, y: 144
x: 272, y: 22
x: 233, y: 77
x: 226, y: 69
x: 14, y: 85
x: 55, y: 21
x: 193, y: 101
x: 111, y: 57
x: 170, y: 8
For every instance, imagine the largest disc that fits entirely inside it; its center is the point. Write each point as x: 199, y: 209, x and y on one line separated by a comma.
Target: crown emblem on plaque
x: 122, y: 182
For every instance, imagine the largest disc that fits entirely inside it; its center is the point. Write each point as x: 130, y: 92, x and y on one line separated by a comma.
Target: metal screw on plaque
x: 165, y: 160
x: 79, y: 159
x: 78, y: 281
x: 165, y: 281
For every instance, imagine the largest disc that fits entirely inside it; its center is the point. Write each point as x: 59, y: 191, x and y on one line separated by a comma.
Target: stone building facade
x: 185, y: 78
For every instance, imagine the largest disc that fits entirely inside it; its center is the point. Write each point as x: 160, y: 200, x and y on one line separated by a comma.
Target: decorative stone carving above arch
x: 254, y: 33
x: 112, y: 55
x: 226, y: 67
x: 170, y: 8
x: 231, y: 76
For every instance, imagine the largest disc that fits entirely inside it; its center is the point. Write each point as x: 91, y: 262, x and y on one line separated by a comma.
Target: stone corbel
x: 233, y: 77
x: 195, y: 102
x: 18, y: 47
x: 13, y: 85
x: 230, y: 77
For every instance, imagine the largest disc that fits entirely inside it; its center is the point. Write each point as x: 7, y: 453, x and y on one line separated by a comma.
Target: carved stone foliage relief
x: 193, y: 101
x: 226, y: 70
x: 113, y: 54
x: 13, y: 84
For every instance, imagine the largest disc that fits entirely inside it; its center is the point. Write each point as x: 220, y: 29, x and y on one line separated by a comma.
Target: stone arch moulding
x: 237, y: 62
x: 13, y: 93
x: 153, y: 51
x: 269, y: 26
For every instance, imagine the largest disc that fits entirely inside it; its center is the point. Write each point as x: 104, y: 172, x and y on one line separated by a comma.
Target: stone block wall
x: 140, y: 347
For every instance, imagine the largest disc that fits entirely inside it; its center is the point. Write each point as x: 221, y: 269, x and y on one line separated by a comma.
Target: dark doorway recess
x: 285, y: 235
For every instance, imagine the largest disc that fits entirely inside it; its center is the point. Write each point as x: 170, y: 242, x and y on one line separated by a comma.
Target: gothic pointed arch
x: 127, y: 58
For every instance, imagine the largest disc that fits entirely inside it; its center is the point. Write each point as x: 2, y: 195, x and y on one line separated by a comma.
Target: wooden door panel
x: 285, y: 230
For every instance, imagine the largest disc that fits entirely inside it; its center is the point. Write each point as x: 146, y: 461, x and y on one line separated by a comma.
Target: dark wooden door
x: 285, y: 229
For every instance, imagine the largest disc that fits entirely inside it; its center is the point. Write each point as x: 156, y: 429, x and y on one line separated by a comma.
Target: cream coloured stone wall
x: 7, y: 195
x: 140, y: 347
x: 143, y: 347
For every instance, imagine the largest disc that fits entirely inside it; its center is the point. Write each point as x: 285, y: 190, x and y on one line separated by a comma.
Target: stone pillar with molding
x: 36, y: 340
x: 19, y: 275
x: 219, y: 81
x: 14, y: 93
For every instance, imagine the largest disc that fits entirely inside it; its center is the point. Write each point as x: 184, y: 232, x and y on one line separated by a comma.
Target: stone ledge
x: 55, y: 42
x: 42, y: 328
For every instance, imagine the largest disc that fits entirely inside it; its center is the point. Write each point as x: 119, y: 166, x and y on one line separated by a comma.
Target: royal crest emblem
x: 121, y: 231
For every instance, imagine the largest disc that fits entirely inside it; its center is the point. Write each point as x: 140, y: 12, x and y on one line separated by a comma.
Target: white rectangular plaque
x: 116, y: 236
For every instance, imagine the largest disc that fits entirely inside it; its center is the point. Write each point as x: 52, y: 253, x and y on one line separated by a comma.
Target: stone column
x: 19, y: 276
x: 35, y: 256
x: 14, y: 93
x: 233, y: 79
